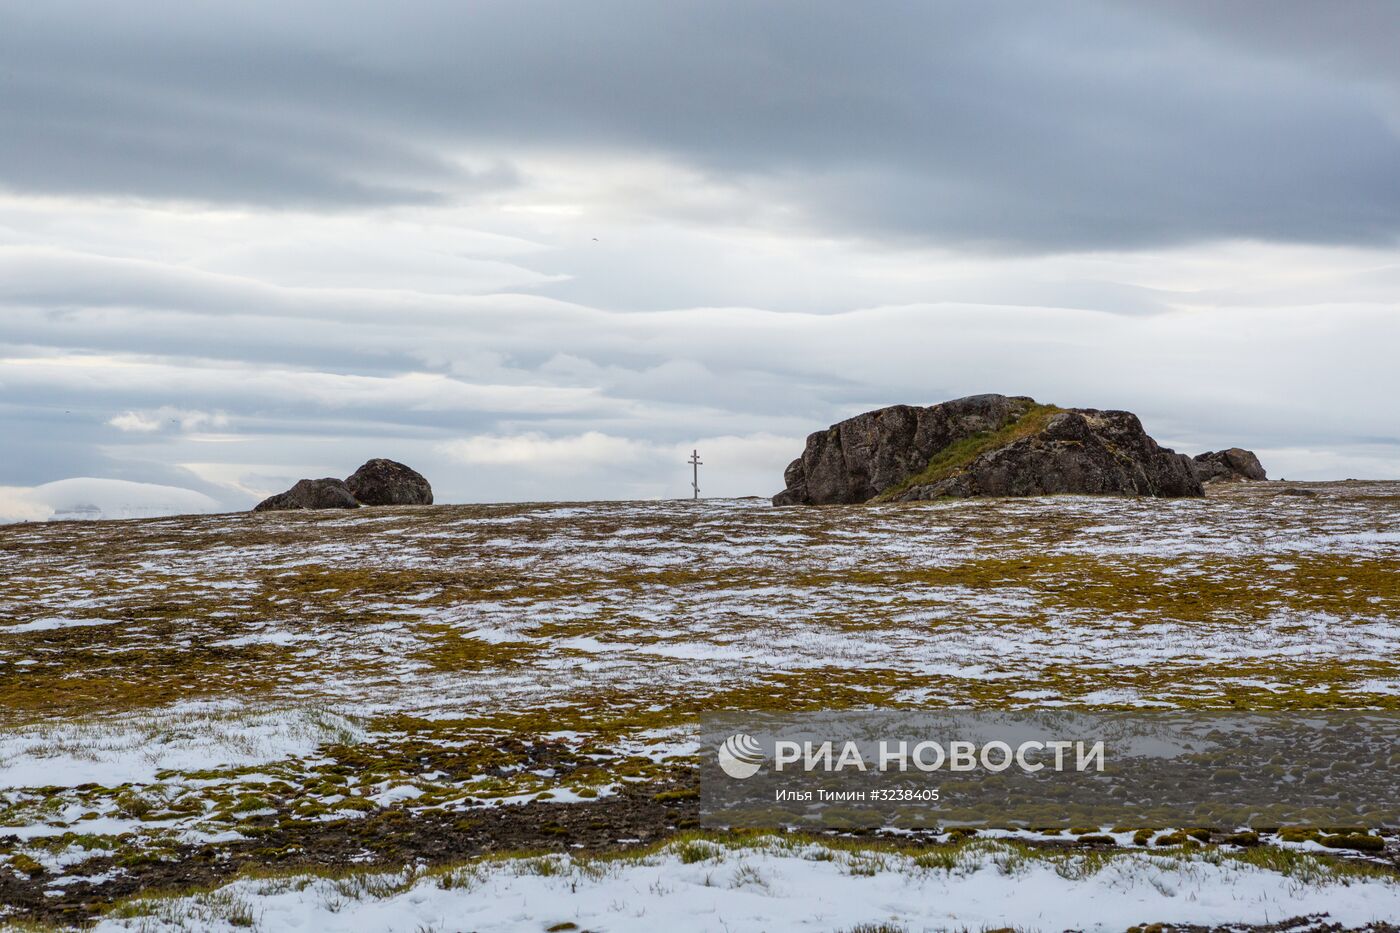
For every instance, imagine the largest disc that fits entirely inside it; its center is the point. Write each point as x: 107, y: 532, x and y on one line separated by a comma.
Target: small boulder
x: 388, y: 482
x: 311, y: 494
x: 1230, y: 466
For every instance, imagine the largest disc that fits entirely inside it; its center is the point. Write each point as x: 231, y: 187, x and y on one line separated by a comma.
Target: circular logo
x: 741, y: 756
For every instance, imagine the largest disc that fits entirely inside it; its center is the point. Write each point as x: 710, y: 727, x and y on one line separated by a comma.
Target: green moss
x: 134, y: 805
x: 1359, y: 842
x: 358, y: 804
x: 1298, y: 834
x: 959, y: 454
x: 26, y: 865
x: 686, y: 793
x: 448, y: 649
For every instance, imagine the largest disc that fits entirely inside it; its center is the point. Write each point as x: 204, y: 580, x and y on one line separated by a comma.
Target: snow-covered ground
x: 201, y: 680
x: 778, y: 886
x: 184, y: 737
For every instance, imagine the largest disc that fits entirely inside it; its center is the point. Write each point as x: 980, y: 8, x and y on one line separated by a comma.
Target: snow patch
x: 778, y: 888
x: 47, y: 625
x: 183, y: 737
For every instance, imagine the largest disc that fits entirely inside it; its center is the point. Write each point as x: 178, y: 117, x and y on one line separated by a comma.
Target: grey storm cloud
x: 545, y: 249
x: 1026, y: 127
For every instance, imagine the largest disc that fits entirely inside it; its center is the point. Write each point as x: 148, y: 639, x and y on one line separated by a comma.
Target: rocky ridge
x: 984, y: 445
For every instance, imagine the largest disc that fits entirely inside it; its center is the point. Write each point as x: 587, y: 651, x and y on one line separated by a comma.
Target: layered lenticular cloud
x: 89, y: 498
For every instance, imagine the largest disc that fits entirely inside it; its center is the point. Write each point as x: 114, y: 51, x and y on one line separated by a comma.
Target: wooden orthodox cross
x: 695, y: 462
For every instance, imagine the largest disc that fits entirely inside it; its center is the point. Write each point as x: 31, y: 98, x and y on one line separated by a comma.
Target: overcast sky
x: 543, y: 250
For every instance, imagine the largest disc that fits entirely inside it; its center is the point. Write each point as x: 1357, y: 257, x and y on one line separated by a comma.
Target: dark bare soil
x: 1317, y: 923
x: 391, y: 839
x: 388, y: 839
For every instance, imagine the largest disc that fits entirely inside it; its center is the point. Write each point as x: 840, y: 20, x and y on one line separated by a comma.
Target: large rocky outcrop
x: 378, y: 482
x: 1231, y: 465
x: 310, y: 494
x: 983, y: 445
x: 388, y: 482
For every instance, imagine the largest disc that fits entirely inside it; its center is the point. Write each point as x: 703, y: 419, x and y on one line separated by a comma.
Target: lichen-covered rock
x: 861, y: 457
x: 311, y: 494
x: 388, y: 482
x: 1231, y: 465
x: 1078, y: 451
x: 983, y: 445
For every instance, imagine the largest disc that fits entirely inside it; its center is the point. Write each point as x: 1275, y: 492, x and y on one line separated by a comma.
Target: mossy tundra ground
x: 188, y: 699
